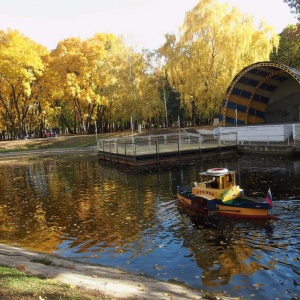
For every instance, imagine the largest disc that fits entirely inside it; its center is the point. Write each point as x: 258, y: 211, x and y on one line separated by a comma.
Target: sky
x: 143, y: 22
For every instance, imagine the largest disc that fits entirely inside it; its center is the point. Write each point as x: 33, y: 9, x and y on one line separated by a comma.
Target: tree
x: 75, y: 76
x: 21, y: 69
x: 132, y: 89
x: 288, y: 52
x: 103, y: 80
x: 215, y: 42
x: 294, y: 6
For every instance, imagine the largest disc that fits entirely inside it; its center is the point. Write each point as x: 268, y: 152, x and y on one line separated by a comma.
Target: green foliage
x: 288, y: 52
x: 294, y: 6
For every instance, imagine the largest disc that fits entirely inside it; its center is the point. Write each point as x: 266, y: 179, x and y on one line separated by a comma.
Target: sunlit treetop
x: 215, y: 42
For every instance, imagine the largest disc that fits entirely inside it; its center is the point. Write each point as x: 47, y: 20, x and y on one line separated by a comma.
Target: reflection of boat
x: 217, y: 194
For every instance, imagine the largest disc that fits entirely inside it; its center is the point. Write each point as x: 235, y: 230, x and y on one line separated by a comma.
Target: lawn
x: 16, y: 285
x: 68, y: 141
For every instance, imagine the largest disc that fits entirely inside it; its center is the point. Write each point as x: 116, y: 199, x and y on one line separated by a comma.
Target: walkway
x: 147, y: 150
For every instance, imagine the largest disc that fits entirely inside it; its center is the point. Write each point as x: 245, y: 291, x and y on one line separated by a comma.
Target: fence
x: 186, y: 143
x: 157, y: 144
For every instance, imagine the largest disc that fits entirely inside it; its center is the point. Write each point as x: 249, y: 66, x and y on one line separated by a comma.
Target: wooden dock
x: 161, y: 149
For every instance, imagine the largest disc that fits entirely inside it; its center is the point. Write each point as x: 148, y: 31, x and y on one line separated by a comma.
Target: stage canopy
x: 263, y: 92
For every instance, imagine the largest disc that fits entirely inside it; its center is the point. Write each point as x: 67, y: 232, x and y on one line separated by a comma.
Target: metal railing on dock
x: 297, y: 142
x: 149, y: 148
x: 157, y: 147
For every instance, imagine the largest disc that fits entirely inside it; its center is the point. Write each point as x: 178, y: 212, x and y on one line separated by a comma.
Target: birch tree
x: 215, y: 42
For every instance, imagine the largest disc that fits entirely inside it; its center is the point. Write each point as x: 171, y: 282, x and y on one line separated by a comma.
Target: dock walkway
x: 142, y: 150
x: 163, y: 148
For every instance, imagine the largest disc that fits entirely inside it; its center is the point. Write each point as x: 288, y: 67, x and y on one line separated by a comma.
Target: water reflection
x: 103, y: 214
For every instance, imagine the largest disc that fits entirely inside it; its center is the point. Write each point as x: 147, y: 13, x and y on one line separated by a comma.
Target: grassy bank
x: 76, y: 141
x: 62, y: 141
x: 16, y: 285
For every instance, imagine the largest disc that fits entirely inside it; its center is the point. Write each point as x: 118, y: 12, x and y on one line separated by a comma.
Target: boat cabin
x: 218, y: 178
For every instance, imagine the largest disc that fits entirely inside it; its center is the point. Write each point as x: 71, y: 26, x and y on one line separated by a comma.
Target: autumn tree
x: 21, y: 69
x: 215, y: 42
x: 74, y: 81
x: 131, y: 90
x: 100, y: 79
x: 288, y: 52
x: 138, y: 87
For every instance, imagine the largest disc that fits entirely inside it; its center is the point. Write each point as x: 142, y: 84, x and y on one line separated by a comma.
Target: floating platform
x: 161, y: 149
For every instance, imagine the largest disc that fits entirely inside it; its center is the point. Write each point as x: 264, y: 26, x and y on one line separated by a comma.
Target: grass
x: 71, y: 141
x: 45, y: 261
x: 76, y: 141
x: 16, y: 285
x: 62, y: 141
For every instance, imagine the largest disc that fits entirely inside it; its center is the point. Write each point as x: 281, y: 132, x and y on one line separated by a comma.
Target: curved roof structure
x: 248, y: 96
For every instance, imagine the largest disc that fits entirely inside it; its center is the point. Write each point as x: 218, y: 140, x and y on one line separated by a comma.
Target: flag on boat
x: 269, y: 197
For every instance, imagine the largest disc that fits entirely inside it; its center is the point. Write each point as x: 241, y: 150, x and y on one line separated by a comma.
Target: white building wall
x: 275, y: 133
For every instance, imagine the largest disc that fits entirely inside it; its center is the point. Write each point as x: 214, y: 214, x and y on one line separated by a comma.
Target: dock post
x: 117, y: 150
x: 179, y: 153
x: 157, y: 151
x: 134, y: 150
x: 103, y: 150
x: 199, y: 139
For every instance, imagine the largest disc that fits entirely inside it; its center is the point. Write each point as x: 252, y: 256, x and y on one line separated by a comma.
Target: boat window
x: 215, y: 183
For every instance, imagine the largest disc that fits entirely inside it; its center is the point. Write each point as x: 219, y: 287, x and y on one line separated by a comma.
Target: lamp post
x: 30, y: 107
x: 166, y: 111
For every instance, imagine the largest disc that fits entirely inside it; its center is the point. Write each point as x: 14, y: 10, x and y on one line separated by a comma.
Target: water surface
x: 79, y: 207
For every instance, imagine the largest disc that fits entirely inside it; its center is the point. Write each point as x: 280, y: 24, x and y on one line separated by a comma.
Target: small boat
x: 216, y: 194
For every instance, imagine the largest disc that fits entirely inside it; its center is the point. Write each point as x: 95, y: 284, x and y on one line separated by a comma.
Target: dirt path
x: 110, y: 282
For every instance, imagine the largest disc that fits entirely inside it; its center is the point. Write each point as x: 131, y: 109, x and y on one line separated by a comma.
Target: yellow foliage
x: 21, y: 68
x: 216, y: 41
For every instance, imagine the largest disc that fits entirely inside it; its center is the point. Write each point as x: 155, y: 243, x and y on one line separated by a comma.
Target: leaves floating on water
x: 158, y: 267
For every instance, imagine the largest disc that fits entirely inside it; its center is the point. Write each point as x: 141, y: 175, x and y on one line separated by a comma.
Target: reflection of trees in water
x: 48, y: 201
x: 224, y: 249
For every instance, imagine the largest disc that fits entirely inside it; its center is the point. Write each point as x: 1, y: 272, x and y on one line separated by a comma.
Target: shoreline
x: 110, y: 282
x: 50, y: 151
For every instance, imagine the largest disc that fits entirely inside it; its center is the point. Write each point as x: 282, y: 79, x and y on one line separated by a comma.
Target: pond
x: 82, y: 208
